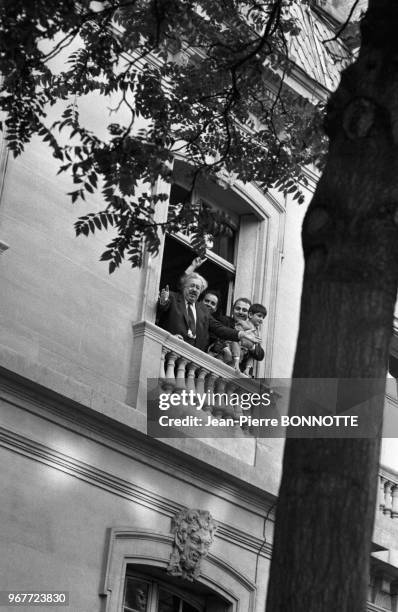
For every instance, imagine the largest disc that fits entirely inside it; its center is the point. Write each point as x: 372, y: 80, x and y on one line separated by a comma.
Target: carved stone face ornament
x: 196, y: 546
x: 193, y: 534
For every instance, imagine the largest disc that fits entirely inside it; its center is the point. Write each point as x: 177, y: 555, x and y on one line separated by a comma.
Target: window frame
x: 155, y: 585
x: 222, y: 263
x: 198, y: 196
x: 260, y: 240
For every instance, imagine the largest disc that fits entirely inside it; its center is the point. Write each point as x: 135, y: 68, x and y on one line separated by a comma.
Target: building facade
x: 92, y: 505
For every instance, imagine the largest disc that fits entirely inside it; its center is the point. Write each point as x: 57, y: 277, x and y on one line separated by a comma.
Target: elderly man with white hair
x: 182, y: 315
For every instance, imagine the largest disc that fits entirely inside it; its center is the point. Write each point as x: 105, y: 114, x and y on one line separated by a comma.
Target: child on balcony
x: 256, y: 316
x: 237, y: 354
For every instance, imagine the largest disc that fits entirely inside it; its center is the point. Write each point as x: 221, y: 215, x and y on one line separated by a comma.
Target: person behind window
x: 230, y: 352
x: 211, y: 299
x: 182, y: 315
x: 256, y: 316
x: 136, y: 597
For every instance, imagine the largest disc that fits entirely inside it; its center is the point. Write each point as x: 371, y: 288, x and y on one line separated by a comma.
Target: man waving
x: 182, y: 315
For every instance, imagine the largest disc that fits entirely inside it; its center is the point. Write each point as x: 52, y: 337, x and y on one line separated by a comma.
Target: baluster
x: 178, y: 410
x: 388, y: 505
x: 209, y: 388
x: 381, y: 493
x: 244, y: 411
x: 237, y: 410
x: 219, y: 403
x: 200, y: 381
x: 162, y: 370
x: 180, y: 376
x: 170, y: 365
x: 394, y: 505
x: 169, y: 382
x: 191, y: 385
x: 245, y: 427
x: 191, y: 389
x: 233, y: 410
x: 229, y: 410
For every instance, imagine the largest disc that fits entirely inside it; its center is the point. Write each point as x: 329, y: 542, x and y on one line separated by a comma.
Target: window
x: 150, y: 596
x: 158, y: 592
x: 244, y: 263
x: 137, y: 560
x: 136, y: 594
x: 168, y: 602
x: 218, y: 270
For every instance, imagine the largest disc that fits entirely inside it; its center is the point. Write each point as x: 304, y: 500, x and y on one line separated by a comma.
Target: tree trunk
x: 327, y: 497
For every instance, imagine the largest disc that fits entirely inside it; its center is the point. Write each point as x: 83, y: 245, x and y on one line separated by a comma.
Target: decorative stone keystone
x: 193, y: 534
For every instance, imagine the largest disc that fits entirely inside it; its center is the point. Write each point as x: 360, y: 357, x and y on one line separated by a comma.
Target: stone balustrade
x: 388, y: 493
x: 177, y: 366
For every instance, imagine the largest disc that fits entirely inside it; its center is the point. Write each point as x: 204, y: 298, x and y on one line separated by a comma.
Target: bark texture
x: 327, y: 496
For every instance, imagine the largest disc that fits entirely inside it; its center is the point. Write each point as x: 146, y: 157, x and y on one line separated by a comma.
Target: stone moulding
x: 128, y: 546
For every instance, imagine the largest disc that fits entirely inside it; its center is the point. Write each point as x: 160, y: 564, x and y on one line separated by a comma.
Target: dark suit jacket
x: 173, y: 318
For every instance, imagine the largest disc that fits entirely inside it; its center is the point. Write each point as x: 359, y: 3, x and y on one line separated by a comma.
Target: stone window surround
x: 261, y: 235
x: 127, y: 546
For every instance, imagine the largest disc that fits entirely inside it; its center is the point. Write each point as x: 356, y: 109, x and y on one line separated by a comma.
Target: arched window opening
x: 152, y: 590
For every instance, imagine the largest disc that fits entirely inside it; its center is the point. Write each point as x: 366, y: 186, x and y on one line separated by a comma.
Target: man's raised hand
x: 198, y: 261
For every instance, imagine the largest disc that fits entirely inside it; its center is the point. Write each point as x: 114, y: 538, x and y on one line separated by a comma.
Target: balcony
x: 161, y: 358
x: 385, y: 534
x: 388, y: 493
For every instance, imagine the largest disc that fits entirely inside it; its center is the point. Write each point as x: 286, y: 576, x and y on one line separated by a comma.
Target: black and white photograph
x: 198, y: 319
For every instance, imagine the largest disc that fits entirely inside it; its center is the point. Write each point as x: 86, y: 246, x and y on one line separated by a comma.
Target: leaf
x: 92, y: 177
x: 106, y: 255
x: 97, y: 222
x: 104, y: 220
x: 74, y: 195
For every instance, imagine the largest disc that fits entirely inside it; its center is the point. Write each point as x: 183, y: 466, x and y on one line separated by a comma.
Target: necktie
x: 191, y: 319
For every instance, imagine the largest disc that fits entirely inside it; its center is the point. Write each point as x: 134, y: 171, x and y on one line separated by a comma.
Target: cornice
x: 388, y: 473
x: 120, y: 487
x: 162, y: 456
